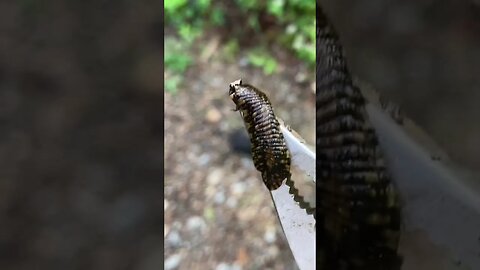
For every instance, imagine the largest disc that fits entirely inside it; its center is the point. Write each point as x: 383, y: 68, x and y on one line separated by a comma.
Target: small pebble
x: 232, y: 202
x: 196, y: 223
x: 300, y: 77
x: 203, y: 159
x: 215, y: 176
x: 226, y: 266
x: 270, y: 235
x: 174, y: 239
x: 239, y: 188
x: 219, y: 197
x: 172, y: 262
x: 247, y: 163
x: 213, y: 116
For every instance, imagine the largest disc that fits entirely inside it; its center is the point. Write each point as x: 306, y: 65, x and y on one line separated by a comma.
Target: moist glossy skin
x: 359, y: 211
x: 269, y: 151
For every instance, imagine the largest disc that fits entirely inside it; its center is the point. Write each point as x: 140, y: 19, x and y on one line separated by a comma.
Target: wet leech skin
x: 358, y: 211
x: 269, y: 151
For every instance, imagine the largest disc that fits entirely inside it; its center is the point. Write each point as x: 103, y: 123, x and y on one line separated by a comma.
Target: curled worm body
x: 269, y: 151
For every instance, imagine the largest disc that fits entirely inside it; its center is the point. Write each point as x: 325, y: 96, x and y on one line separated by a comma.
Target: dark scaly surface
x: 269, y: 151
x: 359, y: 212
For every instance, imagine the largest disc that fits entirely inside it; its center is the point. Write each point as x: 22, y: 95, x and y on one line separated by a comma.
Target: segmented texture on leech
x: 269, y: 151
x: 358, y: 207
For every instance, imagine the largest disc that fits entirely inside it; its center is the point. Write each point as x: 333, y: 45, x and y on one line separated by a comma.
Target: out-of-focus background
x: 218, y: 213
x: 81, y: 159
x: 424, y: 56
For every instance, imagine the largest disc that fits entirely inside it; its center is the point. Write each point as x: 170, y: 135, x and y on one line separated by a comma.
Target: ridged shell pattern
x: 358, y: 214
x: 269, y: 151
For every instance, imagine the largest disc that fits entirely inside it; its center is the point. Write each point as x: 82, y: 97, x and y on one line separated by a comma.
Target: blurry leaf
x: 217, y: 16
x: 177, y: 62
x: 189, y: 13
x: 270, y: 66
x: 262, y: 59
x: 203, y: 4
x: 176, y: 58
x: 307, y: 52
x: 172, y: 5
x: 172, y: 83
x: 253, y: 23
x: 189, y: 33
x: 276, y: 8
x: 310, y: 31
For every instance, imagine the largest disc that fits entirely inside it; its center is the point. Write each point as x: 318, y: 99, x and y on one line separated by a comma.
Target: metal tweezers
x: 297, y: 225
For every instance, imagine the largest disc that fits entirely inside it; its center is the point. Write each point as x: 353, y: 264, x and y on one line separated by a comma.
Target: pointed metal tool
x: 297, y: 224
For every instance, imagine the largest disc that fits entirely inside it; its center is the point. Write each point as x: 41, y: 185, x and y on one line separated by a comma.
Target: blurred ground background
x: 423, y: 55
x: 80, y: 135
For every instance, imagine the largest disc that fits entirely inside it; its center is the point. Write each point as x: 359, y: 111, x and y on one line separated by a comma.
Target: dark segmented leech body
x: 359, y: 209
x: 269, y: 151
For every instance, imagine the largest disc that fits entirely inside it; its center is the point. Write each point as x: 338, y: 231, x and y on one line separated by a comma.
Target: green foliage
x: 261, y: 58
x: 177, y: 60
x: 172, y: 83
x: 217, y: 16
x: 189, y: 33
x: 276, y: 7
x: 293, y: 26
x: 297, y: 17
x: 171, y: 6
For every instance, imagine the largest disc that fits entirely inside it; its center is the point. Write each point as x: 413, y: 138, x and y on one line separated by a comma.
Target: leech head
x: 233, y: 86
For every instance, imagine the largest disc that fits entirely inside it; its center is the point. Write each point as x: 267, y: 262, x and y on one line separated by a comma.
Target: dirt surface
x: 218, y: 213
